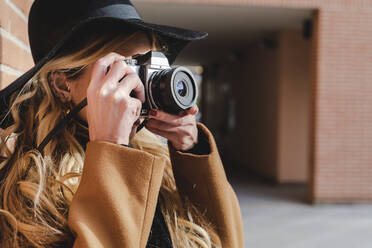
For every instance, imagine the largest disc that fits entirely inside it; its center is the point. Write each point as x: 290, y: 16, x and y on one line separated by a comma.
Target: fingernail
x: 153, y: 112
x: 193, y: 111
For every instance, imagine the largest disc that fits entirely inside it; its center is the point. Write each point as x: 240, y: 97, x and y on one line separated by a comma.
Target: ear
x: 60, y: 86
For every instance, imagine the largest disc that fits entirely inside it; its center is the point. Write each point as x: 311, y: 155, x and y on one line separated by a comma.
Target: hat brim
x: 177, y: 38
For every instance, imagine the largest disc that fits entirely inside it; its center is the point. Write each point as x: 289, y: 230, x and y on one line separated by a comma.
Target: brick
x: 6, y: 79
x: 315, y: 4
x: 13, y: 23
x: 341, y: 160
x: 343, y: 141
x: 23, y: 5
x: 14, y: 56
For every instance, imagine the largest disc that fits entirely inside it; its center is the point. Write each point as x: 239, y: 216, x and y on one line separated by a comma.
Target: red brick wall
x: 15, y: 55
x: 323, y: 4
x: 341, y: 134
x: 343, y: 106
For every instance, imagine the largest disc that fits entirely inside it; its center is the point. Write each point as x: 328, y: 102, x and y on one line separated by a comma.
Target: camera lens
x: 173, y: 90
x: 184, y: 92
x: 181, y: 88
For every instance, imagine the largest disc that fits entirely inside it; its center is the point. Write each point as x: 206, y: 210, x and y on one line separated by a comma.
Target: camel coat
x: 115, y: 203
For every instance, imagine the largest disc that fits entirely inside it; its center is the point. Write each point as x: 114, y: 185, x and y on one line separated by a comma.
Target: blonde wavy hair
x: 36, y: 189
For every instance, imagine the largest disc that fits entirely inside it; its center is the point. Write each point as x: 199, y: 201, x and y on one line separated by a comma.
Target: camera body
x: 168, y: 89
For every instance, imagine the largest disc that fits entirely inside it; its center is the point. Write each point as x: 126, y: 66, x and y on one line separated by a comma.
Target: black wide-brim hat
x: 53, y: 23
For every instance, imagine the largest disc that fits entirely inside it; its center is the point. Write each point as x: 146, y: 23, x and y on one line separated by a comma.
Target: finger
x: 153, y: 123
x: 170, y: 118
x: 193, y: 110
x: 118, y: 71
x: 100, y: 67
x: 137, y: 123
x: 133, y: 83
x: 179, y: 142
x: 133, y: 106
x: 172, y: 136
x: 138, y: 106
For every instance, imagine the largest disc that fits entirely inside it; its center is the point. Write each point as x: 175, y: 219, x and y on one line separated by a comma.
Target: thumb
x: 193, y: 110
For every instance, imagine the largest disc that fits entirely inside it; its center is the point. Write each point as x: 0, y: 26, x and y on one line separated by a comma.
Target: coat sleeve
x: 115, y: 202
x: 202, y: 179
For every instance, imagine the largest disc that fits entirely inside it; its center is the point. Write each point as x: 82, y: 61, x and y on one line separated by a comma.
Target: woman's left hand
x: 180, y: 130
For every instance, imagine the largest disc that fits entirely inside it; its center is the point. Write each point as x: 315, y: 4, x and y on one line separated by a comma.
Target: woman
x: 98, y: 183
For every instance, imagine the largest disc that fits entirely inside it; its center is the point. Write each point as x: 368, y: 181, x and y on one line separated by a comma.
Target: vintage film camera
x: 169, y: 89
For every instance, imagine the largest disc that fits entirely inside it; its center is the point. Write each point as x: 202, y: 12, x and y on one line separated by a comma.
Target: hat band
x: 121, y: 11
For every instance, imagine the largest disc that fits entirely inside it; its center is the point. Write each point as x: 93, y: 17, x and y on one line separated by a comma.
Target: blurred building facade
x: 292, y: 103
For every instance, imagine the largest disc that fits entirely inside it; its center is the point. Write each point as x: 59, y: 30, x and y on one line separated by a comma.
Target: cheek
x: 80, y: 87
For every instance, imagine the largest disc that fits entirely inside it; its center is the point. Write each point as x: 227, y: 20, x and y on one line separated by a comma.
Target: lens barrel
x: 173, y: 90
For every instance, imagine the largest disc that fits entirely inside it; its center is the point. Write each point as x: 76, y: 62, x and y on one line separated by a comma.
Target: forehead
x: 140, y: 44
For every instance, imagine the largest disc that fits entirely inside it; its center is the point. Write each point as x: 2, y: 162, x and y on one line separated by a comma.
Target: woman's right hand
x: 111, y: 111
